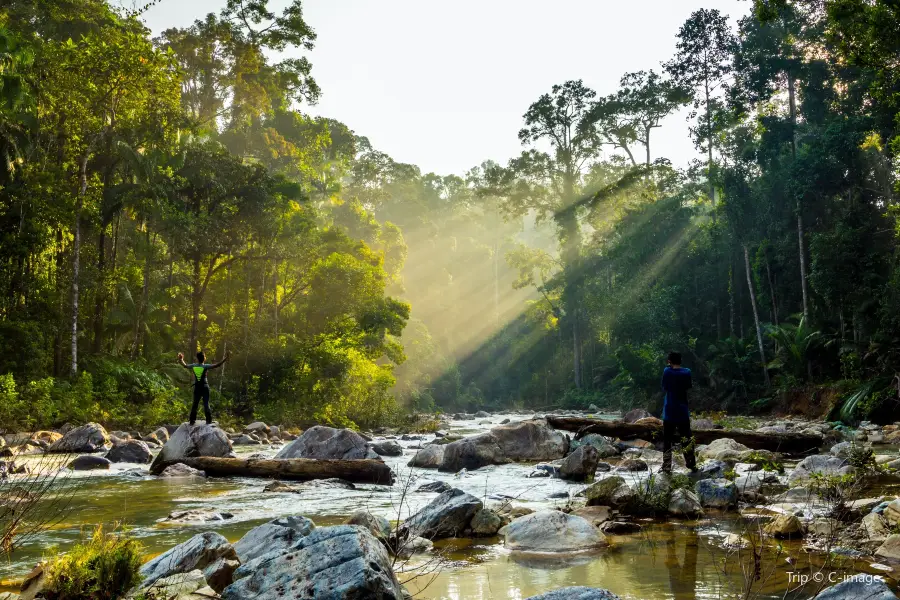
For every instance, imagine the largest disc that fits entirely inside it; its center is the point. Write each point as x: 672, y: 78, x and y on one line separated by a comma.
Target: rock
x: 784, y: 526
x: 892, y: 513
x: 331, y: 563
x: 580, y: 465
x: 435, y: 486
x: 86, y: 462
x: 208, y: 552
x: 593, y: 408
x: 723, y: 449
x: 199, y: 515
x: 603, y: 493
x: 595, y: 514
x: 712, y: 469
x: 486, y: 523
x: 280, y: 487
x: 188, y: 442
x: 702, y: 424
x: 603, y: 446
x: 181, y: 470
x: 716, y: 493
x: 417, y: 545
x: 684, y: 503
x: 377, y: 525
x: 530, y: 440
x: 858, y: 588
x: 446, y: 516
x: 473, y: 453
x: 183, y: 586
x: 650, y: 421
x: 577, y: 593
x: 277, y: 534
x: 889, y: 551
x: 388, y: 448
x: 245, y: 440
x: 619, y: 527
x: 130, y: 451
x: 552, y: 531
x: 47, y: 437
x: 505, y: 421
x: 876, y: 527
x: 818, y: 463
x: 328, y: 442
x: 482, y: 414
x: 429, y: 457
x: 635, y: 415
x: 631, y: 465
x: 162, y: 434
x: 842, y: 449
x: 331, y: 483
x: 258, y: 427
x: 87, y: 438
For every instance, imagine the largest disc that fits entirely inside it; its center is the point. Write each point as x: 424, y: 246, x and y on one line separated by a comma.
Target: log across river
x: 292, y: 469
x: 786, y: 443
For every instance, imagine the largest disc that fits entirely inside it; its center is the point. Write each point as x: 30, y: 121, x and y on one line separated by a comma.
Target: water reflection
x: 683, y: 574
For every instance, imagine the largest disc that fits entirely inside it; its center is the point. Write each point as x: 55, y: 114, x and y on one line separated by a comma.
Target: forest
x: 169, y: 193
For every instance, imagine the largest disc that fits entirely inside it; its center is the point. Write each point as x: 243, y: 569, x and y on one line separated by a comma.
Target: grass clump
x: 104, y: 567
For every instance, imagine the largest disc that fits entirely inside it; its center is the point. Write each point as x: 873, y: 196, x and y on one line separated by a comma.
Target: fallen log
x: 292, y: 469
x: 786, y: 443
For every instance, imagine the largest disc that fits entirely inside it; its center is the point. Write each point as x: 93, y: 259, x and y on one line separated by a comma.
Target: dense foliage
x: 167, y: 194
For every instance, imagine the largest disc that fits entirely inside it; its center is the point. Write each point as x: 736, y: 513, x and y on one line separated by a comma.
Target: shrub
x: 105, y: 567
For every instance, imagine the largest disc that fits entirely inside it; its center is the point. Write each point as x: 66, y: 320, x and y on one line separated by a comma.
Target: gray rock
x: 684, y: 503
x: 702, y: 424
x: 328, y: 442
x: 429, y: 457
x: 531, y: 440
x: 91, y: 437
x: 819, y: 463
x: 716, y: 493
x: 181, y: 470
x: 860, y: 587
x: 130, y: 451
x: 183, y: 586
x: 577, y: 593
x: 189, y: 442
x: 388, y: 448
x: 712, y: 469
x: 198, y: 515
x: 208, y: 552
x: 605, y: 449
x: 245, y: 440
x: 486, y: 523
x: 332, y: 483
x: 723, y: 449
x: 446, y: 516
x: 162, y: 434
x: 332, y: 563
x: 636, y: 414
x: 473, y: 453
x: 377, y: 525
x: 605, y: 492
x: 258, y: 427
x: 277, y: 534
x: 631, y: 465
x: 86, y: 462
x: 435, y: 487
x: 552, y: 531
x: 482, y: 414
x: 580, y: 465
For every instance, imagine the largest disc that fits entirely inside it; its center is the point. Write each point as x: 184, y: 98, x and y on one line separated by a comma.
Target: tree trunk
x: 195, y: 307
x: 803, y: 285
x: 100, y: 292
x: 296, y: 469
x: 571, y: 245
x: 731, y: 300
x: 145, y: 299
x: 759, y: 337
x: 709, y: 143
x: 76, y: 262
x: 772, y: 291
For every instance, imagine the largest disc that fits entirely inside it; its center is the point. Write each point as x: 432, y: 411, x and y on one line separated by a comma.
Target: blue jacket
x: 676, y: 383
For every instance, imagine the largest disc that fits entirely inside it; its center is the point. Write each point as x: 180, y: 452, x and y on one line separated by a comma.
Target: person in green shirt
x: 201, y: 383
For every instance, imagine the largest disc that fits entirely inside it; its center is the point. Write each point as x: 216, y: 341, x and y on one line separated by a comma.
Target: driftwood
x: 293, y: 469
x: 786, y: 443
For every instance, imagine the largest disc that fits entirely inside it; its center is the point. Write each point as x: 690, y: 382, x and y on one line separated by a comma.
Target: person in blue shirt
x: 201, y: 383
x: 676, y: 381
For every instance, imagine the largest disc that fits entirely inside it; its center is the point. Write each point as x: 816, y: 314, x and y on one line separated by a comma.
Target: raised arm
x: 181, y: 360
x: 221, y: 362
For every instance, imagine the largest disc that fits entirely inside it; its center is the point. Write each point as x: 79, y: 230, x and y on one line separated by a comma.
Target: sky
x: 444, y: 85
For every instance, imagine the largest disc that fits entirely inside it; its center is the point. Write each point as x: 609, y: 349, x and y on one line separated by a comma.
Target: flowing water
x: 675, y: 560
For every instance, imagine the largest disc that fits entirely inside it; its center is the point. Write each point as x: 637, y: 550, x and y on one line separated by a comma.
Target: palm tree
x: 794, y: 347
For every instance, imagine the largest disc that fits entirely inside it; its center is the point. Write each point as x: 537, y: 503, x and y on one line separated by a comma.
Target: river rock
x: 438, y: 487
x: 446, y: 516
x: 595, y: 514
x: 605, y: 492
x: 47, y: 437
x: 636, y: 414
x: 429, y: 457
x: 858, y: 588
x: 552, y: 531
x: 784, y: 526
x: 388, y: 448
x: 130, y: 451
x: 630, y: 465
x: 183, y: 586
x: 181, y: 470
x: 604, y: 448
x: 481, y: 414
x: 702, y: 424
x: 189, y: 442
x: 162, y: 434
x: 258, y: 427
x: 619, y: 527
x: 580, y: 465
x: 328, y: 442
x: 577, y: 593
x: 889, y: 551
x: 876, y: 527
x: 417, y: 545
x: 376, y: 524
x: 473, y: 453
x: 712, y: 469
x: 818, y: 463
x: 209, y: 552
x: 331, y: 483
x: 91, y: 437
x: 331, y: 563
x: 277, y: 534
x: 531, y: 440
x: 650, y: 421
x: 684, y: 503
x: 245, y: 440
x: 486, y: 523
x: 891, y: 512
x: 86, y: 462
x: 279, y: 487
x: 716, y: 493
x: 723, y: 449
x: 198, y: 515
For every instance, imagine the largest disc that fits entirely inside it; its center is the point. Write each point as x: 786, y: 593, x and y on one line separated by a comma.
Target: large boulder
x: 684, y: 503
x: 86, y: 462
x: 611, y: 491
x: 552, y: 531
x: 580, y: 465
x: 446, y: 516
x: 605, y: 448
x: 858, y: 587
x: 636, y: 414
x: 577, y: 593
x: 258, y: 427
x: 784, y: 526
x: 91, y: 437
x: 190, y: 441
x: 429, y: 457
x: 331, y: 563
x: 531, y: 440
x: 716, y: 493
x: 277, y: 534
x: 329, y: 443
x: 818, y: 463
x: 473, y: 453
x: 889, y: 551
x: 723, y: 449
x: 209, y: 552
x: 388, y: 448
x: 486, y: 523
x: 130, y: 451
